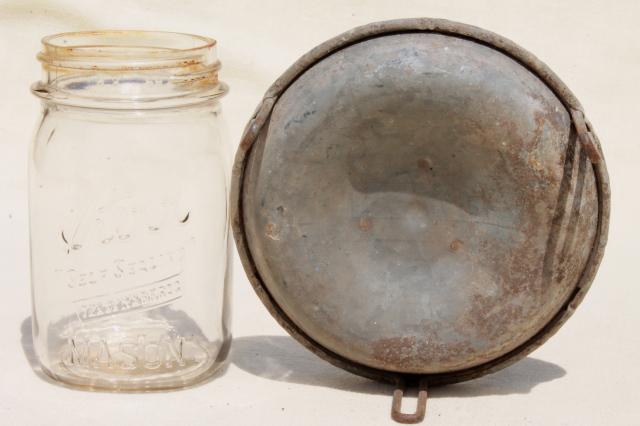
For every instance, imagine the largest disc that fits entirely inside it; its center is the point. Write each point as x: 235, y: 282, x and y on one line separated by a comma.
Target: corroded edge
x: 261, y: 117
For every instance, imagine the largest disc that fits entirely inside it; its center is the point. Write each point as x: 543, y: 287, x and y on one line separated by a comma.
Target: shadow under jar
x: 129, y: 175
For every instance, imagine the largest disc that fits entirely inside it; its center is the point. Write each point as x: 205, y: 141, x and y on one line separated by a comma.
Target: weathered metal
x: 420, y: 198
x: 421, y: 404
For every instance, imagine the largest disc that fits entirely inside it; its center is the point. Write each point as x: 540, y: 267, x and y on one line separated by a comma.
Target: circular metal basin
x: 420, y: 197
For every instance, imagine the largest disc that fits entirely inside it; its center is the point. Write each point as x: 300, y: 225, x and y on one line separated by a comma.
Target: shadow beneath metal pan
x: 283, y: 359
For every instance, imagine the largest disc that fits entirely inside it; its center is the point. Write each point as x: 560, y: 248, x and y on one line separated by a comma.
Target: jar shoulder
x: 65, y: 135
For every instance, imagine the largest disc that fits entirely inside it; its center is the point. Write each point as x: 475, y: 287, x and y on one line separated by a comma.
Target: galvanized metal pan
x: 420, y: 200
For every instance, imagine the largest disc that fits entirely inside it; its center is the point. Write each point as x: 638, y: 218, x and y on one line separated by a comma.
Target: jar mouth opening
x: 126, y: 50
x: 124, y: 69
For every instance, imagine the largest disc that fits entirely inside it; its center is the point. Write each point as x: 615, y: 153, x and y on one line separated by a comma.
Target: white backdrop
x: 588, y: 374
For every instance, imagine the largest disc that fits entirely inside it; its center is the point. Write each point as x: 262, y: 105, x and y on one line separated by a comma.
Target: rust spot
x: 425, y: 164
x: 539, y: 118
x: 271, y: 231
x: 365, y: 224
x: 395, y: 349
x: 456, y: 245
x: 535, y: 164
x: 418, y: 351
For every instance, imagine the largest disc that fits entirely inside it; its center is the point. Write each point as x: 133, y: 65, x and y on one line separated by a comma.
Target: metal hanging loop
x: 421, y: 408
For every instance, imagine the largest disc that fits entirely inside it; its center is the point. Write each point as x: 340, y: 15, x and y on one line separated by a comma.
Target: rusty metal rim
x: 260, y: 118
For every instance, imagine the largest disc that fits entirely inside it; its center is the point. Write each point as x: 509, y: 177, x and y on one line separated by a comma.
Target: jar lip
x: 129, y: 69
x: 126, y: 50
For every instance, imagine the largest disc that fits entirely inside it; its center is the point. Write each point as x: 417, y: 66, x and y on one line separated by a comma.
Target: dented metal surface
x: 415, y: 197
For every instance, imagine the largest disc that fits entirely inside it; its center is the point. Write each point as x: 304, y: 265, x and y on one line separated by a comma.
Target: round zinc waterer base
x: 384, y: 131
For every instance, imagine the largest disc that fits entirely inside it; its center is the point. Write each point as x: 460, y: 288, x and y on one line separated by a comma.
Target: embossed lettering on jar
x: 128, y: 210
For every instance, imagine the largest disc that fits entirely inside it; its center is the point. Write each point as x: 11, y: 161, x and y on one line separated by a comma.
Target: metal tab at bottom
x: 421, y: 408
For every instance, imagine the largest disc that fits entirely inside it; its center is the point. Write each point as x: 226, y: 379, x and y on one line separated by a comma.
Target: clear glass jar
x: 129, y: 174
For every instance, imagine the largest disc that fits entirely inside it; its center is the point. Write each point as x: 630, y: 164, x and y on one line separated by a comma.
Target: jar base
x: 168, y: 379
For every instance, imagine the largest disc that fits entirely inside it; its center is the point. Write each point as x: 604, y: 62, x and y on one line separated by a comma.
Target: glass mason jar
x: 128, y: 180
